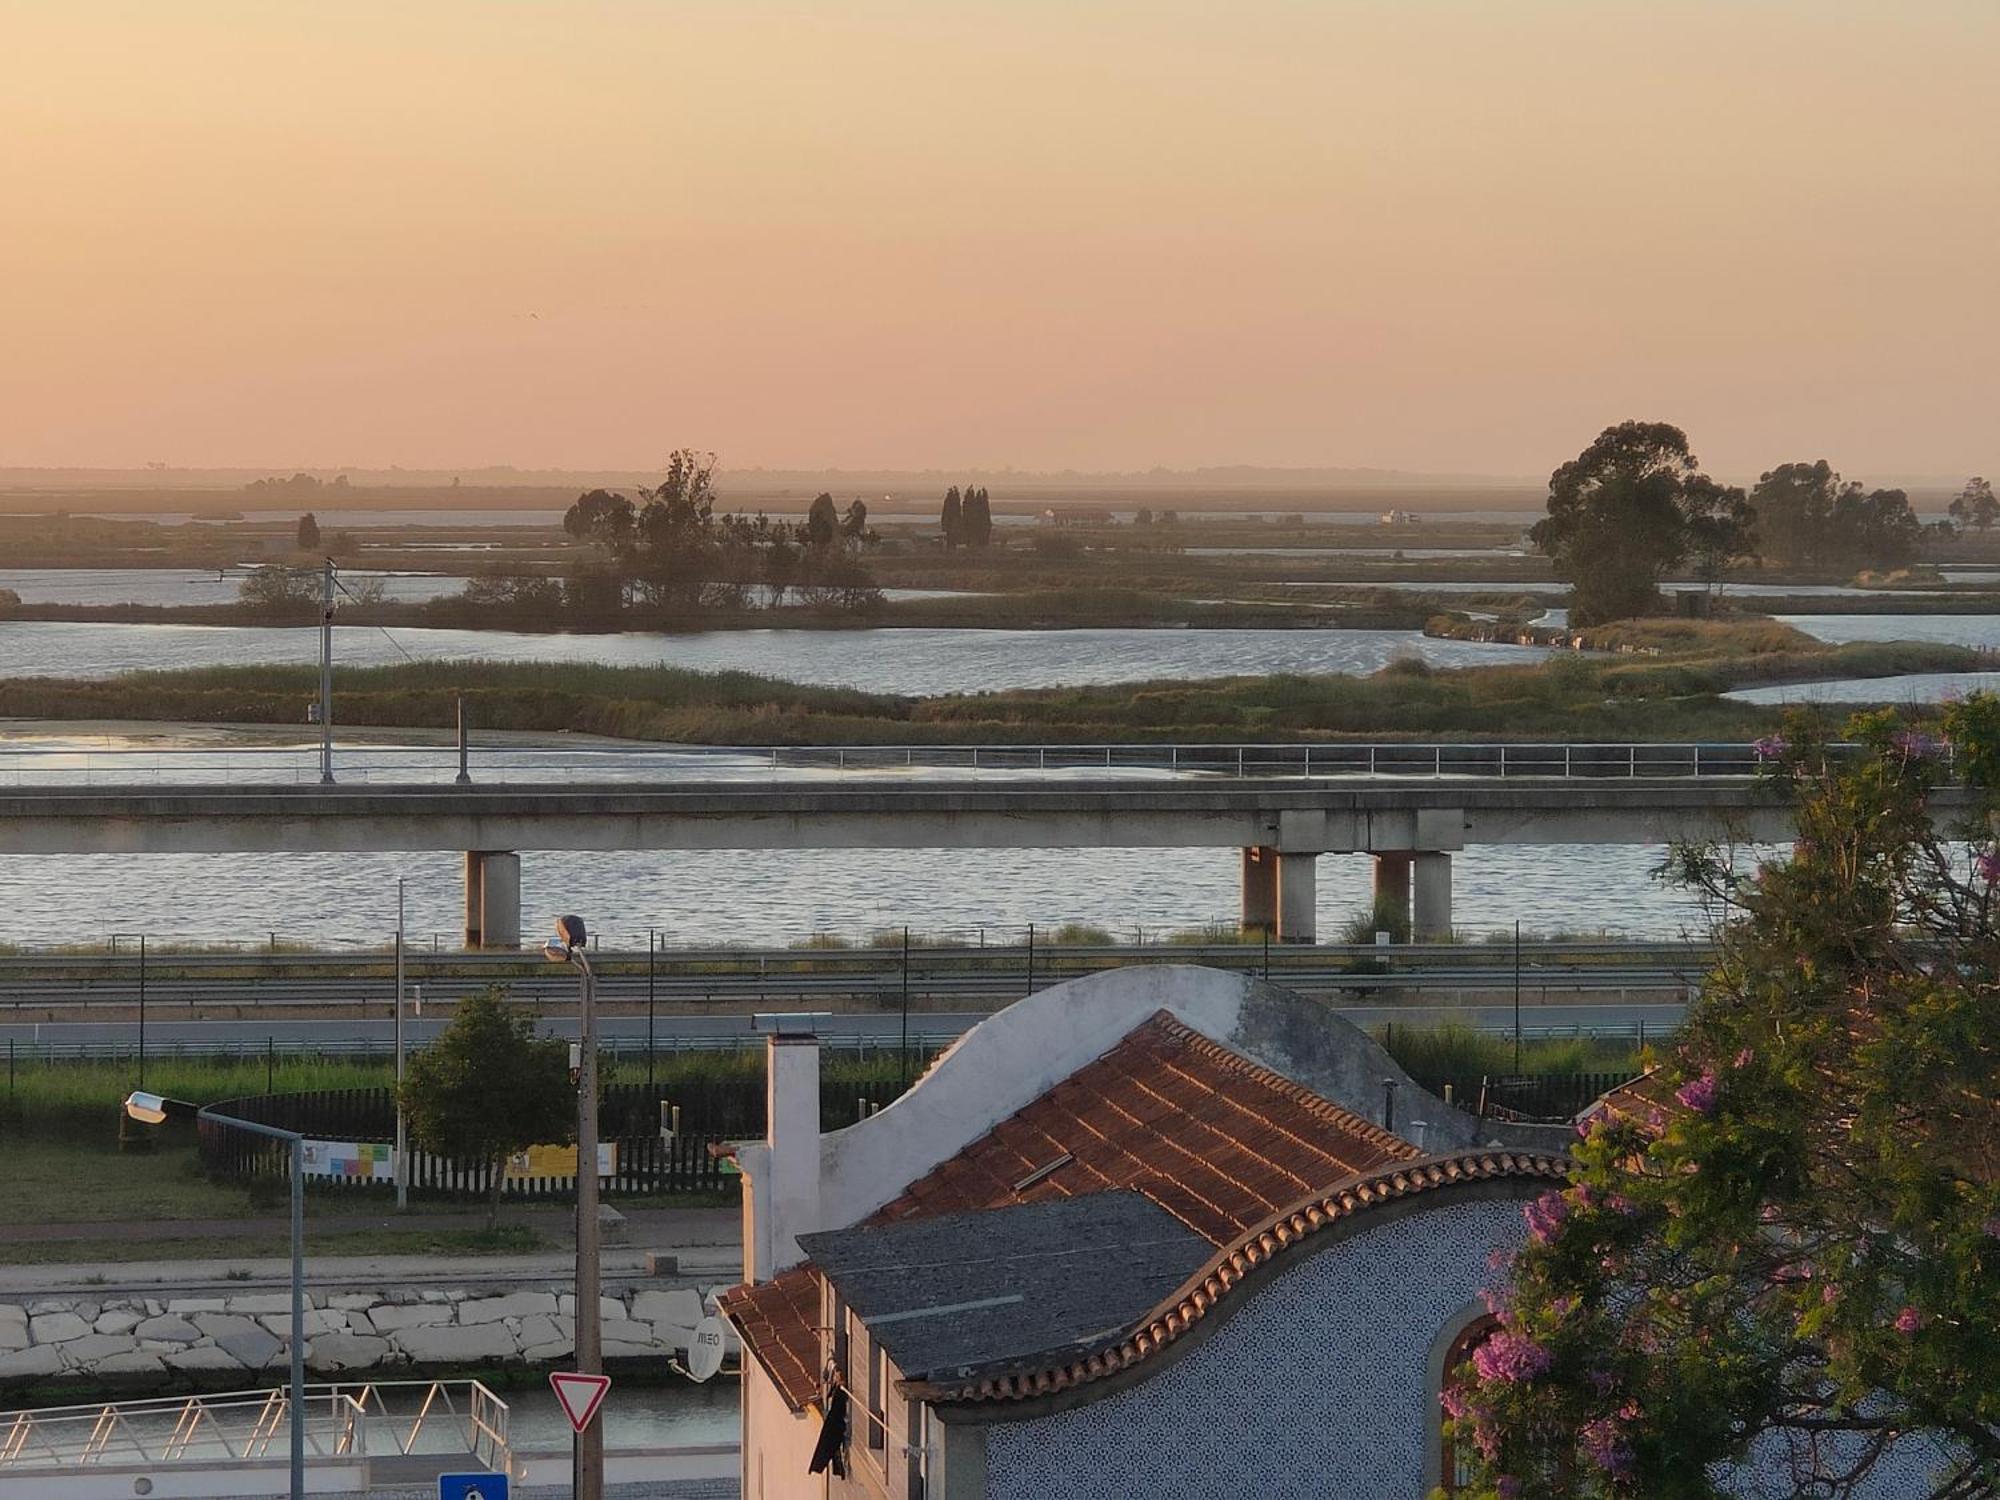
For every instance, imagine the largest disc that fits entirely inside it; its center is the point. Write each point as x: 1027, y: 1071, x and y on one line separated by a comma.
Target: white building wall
x: 1319, y: 1386
x: 777, y: 1443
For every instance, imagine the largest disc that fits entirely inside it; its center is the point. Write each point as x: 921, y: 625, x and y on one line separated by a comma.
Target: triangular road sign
x: 579, y: 1395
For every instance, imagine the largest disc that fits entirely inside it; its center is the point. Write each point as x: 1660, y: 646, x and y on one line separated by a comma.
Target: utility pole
x: 326, y: 675
x: 652, y: 937
x: 1517, y: 997
x: 570, y: 946
x: 402, y: 1166
x: 589, y: 1483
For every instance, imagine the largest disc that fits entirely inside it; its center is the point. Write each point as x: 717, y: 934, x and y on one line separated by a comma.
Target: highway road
x: 685, y: 1032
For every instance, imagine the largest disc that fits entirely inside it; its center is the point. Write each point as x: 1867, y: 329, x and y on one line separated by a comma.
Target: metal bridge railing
x: 343, y: 1421
x: 29, y: 767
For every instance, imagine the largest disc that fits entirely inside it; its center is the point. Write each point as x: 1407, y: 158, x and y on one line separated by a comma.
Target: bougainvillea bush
x: 1776, y: 1268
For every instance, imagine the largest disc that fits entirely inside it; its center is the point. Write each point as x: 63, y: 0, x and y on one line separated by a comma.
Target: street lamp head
x: 570, y: 936
x: 156, y: 1109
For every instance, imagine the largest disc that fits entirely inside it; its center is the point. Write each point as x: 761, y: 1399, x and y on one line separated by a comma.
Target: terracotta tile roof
x: 1647, y: 1100
x: 1218, y: 1141
x: 779, y: 1322
x: 1213, y: 1285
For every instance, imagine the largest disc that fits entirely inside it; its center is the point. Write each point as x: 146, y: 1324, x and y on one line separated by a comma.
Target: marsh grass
x: 1461, y: 1052
x: 1672, y: 695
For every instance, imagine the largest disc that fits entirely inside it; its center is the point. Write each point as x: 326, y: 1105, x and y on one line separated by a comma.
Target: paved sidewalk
x: 706, y: 1242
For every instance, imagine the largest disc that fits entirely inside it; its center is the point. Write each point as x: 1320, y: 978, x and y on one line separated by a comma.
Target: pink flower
x: 1698, y: 1094
x: 1992, y: 1227
x: 1914, y: 744
x: 1510, y: 1358
x: 1908, y: 1321
x: 1545, y: 1215
x: 1988, y: 866
x: 1744, y: 1058
x: 1452, y: 1399
x: 1507, y: 1487
x: 1770, y: 747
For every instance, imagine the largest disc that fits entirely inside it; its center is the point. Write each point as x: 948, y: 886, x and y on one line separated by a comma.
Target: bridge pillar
x: 1260, y: 889
x: 1431, y: 918
x: 492, y: 899
x: 1298, y: 897
x: 1392, y: 887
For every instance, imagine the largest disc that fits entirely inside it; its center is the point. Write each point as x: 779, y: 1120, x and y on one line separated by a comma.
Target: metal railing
x: 430, y: 765
x: 343, y: 1421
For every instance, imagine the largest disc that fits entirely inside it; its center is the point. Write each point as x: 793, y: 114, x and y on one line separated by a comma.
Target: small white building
x: 1162, y: 1231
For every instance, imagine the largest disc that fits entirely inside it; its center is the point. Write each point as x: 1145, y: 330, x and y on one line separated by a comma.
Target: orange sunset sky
x: 1446, y: 235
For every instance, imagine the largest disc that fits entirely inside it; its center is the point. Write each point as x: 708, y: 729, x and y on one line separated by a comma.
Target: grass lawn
x: 63, y: 1181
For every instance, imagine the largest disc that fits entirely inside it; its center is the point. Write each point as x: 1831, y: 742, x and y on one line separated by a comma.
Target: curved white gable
x: 1018, y: 1054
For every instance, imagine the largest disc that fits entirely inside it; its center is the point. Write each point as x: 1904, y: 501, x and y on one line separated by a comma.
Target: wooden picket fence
x: 712, y: 1111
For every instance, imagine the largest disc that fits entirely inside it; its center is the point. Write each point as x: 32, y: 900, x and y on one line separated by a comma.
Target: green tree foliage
x: 1807, y: 517
x: 822, y: 528
x: 952, y: 519
x: 508, y: 592
x: 489, y: 1087
x: 1788, y: 1242
x: 601, y: 517
x: 1975, y: 506
x: 1630, y: 508
x: 281, y: 590
x: 854, y: 523
x: 673, y: 555
x: 308, y: 533
x: 976, y: 518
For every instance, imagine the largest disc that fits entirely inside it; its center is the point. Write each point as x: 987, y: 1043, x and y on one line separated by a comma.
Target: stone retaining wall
x: 138, y: 1341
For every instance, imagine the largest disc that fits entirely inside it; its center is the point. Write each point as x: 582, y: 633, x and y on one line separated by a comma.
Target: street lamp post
x: 402, y: 1167
x: 568, y: 946
x: 153, y: 1109
x: 652, y: 947
x: 142, y: 996
x: 326, y: 675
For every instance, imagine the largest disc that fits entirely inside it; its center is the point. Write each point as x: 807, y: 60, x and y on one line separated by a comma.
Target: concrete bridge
x: 1409, y: 808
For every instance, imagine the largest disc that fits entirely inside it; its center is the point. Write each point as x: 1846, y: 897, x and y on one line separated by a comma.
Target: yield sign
x: 580, y: 1395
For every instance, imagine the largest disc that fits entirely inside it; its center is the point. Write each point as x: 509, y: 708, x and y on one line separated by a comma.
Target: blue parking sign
x: 472, y: 1487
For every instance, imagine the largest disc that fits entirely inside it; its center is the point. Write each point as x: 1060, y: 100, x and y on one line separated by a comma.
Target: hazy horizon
x: 1452, y: 240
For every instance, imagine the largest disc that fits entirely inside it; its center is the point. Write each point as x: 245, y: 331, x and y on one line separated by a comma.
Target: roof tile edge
x: 1211, y: 1286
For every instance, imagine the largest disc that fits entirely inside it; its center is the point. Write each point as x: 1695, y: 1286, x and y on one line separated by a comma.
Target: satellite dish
x: 704, y: 1356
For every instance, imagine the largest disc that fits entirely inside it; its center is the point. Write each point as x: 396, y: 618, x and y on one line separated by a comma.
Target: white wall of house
x: 777, y: 1443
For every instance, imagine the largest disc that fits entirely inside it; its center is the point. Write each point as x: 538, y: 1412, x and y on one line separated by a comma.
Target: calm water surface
x: 1955, y: 630
x: 891, y: 660
x: 779, y: 897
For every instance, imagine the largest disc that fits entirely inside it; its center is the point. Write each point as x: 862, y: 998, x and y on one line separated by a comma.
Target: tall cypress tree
x: 953, y: 518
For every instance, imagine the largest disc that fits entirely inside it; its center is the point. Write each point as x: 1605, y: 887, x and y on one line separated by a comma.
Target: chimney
x: 791, y: 1139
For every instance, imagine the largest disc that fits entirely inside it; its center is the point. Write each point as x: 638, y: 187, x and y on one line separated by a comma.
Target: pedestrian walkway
x: 706, y: 1243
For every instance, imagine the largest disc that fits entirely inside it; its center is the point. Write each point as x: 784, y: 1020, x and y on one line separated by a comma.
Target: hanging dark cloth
x: 831, y: 1450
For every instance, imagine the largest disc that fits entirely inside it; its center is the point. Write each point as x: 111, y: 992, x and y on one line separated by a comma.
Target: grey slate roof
x: 948, y: 1295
